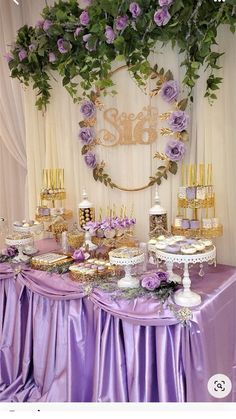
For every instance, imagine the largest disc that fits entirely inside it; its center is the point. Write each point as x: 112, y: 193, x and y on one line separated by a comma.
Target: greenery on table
x: 162, y: 293
x: 192, y: 28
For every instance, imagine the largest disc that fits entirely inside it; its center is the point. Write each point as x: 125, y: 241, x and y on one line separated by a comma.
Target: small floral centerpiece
x: 152, y: 280
x: 8, y: 253
x: 157, y: 284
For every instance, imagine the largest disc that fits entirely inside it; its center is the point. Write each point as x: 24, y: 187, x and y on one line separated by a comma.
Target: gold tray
x: 200, y: 232
x: 196, y: 203
x: 68, y: 214
x: 116, y: 242
x: 82, y: 277
x: 55, y: 196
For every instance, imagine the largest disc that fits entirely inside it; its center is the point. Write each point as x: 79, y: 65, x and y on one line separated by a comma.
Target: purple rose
x: 10, y: 251
x: 150, y: 282
x: 134, y: 9
x: 90, y: 160
x: 109, y: 34
x: 47, y: 24
x: 32, y: 47
x: 121, y: 22
x: 87, y: 44
x: 22, y: 54
x: 8, y: 57
x: 178, y: 121
x: 84, y: 18
x: 162, y: 17
x: 78, y: 255
x: 39, y: 24
x: 63, y: 46
x: 165, y: 2
x: 169, y: 91
x: 51, y: 57
x: 86, y: 135
x: 162, y: 275
x: 78, y: 30
x: 88, y: 109
x: 175, y: 150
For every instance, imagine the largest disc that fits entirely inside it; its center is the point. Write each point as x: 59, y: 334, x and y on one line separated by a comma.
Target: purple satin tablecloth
x: 59, y: 345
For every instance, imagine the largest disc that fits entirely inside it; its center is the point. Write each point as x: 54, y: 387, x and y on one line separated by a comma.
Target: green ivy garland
x: 76, y: 42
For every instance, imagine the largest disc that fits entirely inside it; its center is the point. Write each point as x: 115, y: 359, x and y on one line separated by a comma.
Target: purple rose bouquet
x: 10, y: 251
x: 151, y: 281
x: 175, y: 150
x: 178, y: 121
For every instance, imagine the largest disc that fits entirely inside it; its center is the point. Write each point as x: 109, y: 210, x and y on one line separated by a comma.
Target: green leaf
x: 173, y: 167
x: 182, y: 104
x: 84, y: 150
x: 95, y: 174
x: 169, y: 75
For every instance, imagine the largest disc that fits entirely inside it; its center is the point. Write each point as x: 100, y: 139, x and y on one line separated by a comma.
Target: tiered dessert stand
x: 52, y: 191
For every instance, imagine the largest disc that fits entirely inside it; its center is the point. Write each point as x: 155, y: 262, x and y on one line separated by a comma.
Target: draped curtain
x: 51, y: 141
x: 12, y: 124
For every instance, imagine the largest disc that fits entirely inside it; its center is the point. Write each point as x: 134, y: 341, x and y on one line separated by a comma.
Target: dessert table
x: 60, y: 342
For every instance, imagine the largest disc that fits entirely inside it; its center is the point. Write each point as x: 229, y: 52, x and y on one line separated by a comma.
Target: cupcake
x: 161, y: 245
x: 188, y: 249
x: 172, y: 248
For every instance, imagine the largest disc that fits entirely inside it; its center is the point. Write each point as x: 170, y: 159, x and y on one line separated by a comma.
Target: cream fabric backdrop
x: 12, y: 126
x: 51, y: 140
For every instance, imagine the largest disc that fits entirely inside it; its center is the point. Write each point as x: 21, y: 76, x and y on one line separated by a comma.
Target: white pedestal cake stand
x: 186, y: 297
x: 20, y: 244
x: 128, y: 281
x: 34, y: 230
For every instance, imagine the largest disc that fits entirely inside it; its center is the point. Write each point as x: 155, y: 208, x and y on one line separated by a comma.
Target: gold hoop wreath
x: 176, y: 118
